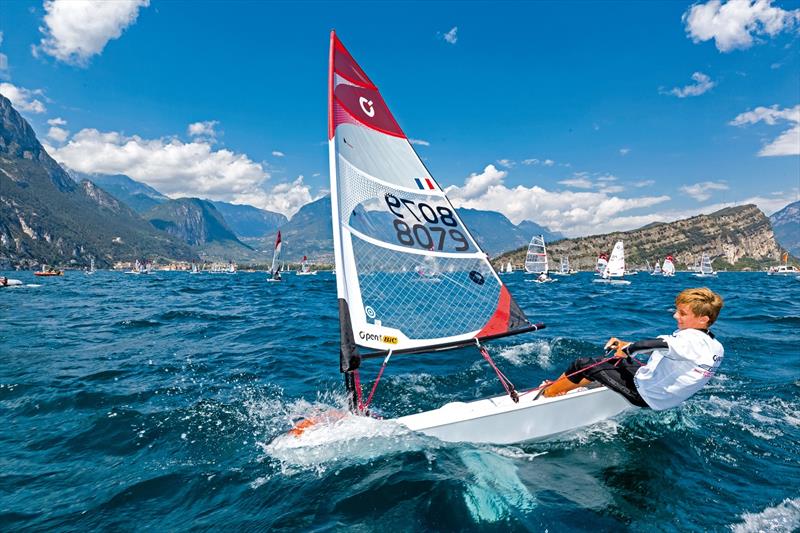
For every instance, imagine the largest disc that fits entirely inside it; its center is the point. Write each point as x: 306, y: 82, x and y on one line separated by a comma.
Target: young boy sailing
x: 679, y: 366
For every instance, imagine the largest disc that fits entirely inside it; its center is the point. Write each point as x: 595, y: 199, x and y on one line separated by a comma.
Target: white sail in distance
x: 410, y: 276
x: 536, y: 259
x: 616, y: 263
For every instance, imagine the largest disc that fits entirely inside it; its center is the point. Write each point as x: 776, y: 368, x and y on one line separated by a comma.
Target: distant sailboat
x: 509, y: 268
x: 657, y: 270
x: 705, y: 270
x: 275, y: 273
x: 615, y: 270
x: 668, y: 268
x: 600, y: 266
x: 194, y: 270
x: 536, y: 260
x: 91, y: 268
x: 305, y: 269
x: 565, y: 269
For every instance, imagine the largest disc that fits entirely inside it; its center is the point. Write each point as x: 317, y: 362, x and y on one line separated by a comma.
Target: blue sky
x: 585, y: 117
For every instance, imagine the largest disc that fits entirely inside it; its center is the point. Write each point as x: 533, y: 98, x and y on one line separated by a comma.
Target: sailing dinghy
x: 275, y: 269
x: 536, y: 260
x: 305, y: 270
x: 614, y: 272
x: 705, y: 269
x: 668, y: 268
x: 391, y: 221
x: 565, y: 269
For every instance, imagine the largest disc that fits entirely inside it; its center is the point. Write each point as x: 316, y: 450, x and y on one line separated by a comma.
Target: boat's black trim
x: 452, y: 345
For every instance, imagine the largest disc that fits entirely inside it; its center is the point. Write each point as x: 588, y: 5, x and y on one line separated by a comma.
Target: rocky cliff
x: 786, y: 225
x: 47, y: 217
x: 735, y: 237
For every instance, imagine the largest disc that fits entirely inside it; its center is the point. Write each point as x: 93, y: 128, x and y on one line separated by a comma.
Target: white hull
x: 12, y: 283
x: 714, y: 275
x: 501, y: 421
x: 311, y: 273
x: 612, y: 281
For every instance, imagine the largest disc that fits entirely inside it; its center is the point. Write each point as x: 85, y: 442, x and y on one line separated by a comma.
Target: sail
x: 410, y: 276
x: 565, y: 265
x: 509, y: 267
x: 602, y: 262
x: 276, y: 255
x: 536, y: 260
x: 668, y: 268
x: 616, y: 264
x: 705, y: 265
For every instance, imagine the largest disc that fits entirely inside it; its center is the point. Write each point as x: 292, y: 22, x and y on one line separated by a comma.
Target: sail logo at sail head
x: 366, y: 106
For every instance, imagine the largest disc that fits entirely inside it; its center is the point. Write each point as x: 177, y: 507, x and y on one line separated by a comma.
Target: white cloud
x: 571, y: 212
x: 548, y: 162
x: 508, y: 163
x: 530, y: 161
x: 288, y: 198
x: 643, y: 183
x: 58, y: 121
x: 420, y: 142
x: 451, y: 36
x: 58, y: 134
x: 702, y: 84
x: 477, y: 185
x: 734, y: 24
x: 579, y: 183
x: 23, y: 99
x: 3, y: 59
x: 76, y: 30
x: 699, y: 191
x: 788, y: 142
x: 203, y: 129
x: 171, y: 166
x: 276, y: 153
x: 624, y: 151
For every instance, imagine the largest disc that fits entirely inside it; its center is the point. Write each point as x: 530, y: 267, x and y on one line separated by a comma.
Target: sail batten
x: 410, y: 276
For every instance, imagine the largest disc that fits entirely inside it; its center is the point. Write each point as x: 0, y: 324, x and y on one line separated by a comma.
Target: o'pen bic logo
x: 366, y: 106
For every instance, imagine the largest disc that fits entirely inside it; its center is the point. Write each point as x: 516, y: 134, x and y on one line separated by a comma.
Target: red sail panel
x: 367, y: 107
x: 362, y: 102
x: 345, y: 66
x: 499, y: 322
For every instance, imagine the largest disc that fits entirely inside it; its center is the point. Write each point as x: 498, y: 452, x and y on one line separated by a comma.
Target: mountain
x: 134, y: 194
x: 192, y: 220
x: 786, y: 226
x: 735, y: 237
x: 45, y: 216
x: 308, y: 232
x: 247, y: 221
x: 496, y: 234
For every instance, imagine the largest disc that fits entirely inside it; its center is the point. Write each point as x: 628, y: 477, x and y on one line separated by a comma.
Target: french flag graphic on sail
x: 426, y: 184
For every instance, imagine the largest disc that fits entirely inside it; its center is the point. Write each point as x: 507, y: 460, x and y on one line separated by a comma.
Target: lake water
x: 161, y: 401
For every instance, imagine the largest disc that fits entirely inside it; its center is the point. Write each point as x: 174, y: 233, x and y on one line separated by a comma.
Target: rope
x: 507, y: 385
x: 358, y: 390
x: 377, y: 380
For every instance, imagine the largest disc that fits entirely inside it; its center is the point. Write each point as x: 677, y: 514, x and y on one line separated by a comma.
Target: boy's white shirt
x: 673, y: 375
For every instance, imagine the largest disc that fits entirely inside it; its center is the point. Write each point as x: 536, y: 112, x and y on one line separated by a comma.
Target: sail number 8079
x: 422, y: 233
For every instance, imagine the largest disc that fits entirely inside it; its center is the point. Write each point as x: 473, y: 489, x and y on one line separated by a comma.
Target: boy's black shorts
x: 616, y: 374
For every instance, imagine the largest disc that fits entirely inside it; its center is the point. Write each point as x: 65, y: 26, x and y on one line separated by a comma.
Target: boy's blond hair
x: 702, y: 301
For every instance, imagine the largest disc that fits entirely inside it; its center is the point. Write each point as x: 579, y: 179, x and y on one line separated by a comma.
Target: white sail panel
x: 616, y: 264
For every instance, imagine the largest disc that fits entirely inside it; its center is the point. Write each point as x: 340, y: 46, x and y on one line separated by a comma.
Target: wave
x: 783, y: 517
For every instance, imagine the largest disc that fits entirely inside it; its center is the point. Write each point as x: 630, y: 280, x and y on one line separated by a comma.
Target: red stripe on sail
x: 499, y: 321
x: 278, y: 240
x: 368, y: 108
x: 345, y: 66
